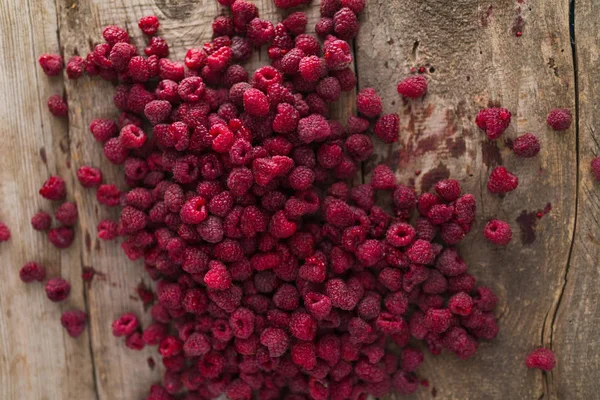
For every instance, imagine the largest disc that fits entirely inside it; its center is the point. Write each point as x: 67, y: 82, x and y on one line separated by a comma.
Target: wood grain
x: 474, y: 59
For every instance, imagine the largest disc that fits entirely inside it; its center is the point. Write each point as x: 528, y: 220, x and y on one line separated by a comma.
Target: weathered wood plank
x: 38, y: 359
x: 473, y: 58
x: 575, y: 330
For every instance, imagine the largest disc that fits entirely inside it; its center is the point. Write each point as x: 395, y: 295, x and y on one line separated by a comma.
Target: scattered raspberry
x: 541, y: 358
x: 66, y: 213
x: 125, y: 325
x: 4, y: 232
x: 345, y: 24
x: 32, y: 271
x: 74, y: 322
x: 89, y: 176
x: 58, y: 106
x: 559, y: 119
x: 103, y: 129
x: 493, y: 121
x: 387, y: 128
x: 502, y: 181
x: 413, y: 87
x: 149, y: 25
x: 57, y: 289
x: 526, y: 145
x: 108, y: 195
x: 498, y: 232
x: 75, y: 67
x: 368, y: 103
x: 52, y: 64
x: 61, y: 237
x: 41, y: 221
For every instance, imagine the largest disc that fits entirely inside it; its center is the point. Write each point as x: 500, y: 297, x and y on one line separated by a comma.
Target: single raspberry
x: 502, y: 181
x: 465, y: 209
x: 194, y: 211
x: 526, y: 145
x: 368, y: 103
x: 346, y: 77
x: 75, y: 67
x: 493, y: 121
x: 413, y: 87
x: 260, y: 32
x: 58, y: 106
x: 338, y: 55
x: 400, y: 235
x: 217, y: 276
x: 461, y: 283
x: 541, y: 358
x: 438, y: 320
x: 120, y: 55
x: 421, y: 252
x: 240, y: 48
x: 108, y: 195
x: 319, y: 305
x: 281, y: 227
x: 191, y: 89
x: 289, y: 3
x: 498, y: 232
x: 256, y: 102
x: 157, y: 46
x: 66, y: 213
x: 450, y: 263
x: 74, y: 322
x: 32, y: 271
x: 89, y: 176
x: 296, y: 23
x: 41, y: 221
x: 383, y: 178
x: 303, y: 326
x: 157, y: 111
x: 107, y: 230
x: 359, y: 147
x: 115, y: 151
x: 329, y: 89
x: 171, y: 70
x: 154, y: 333
x: 149, y: 25
x: 219, y: 60
x: 61, y: 237
x: 222, y: 26
x: 312, y: 68
x: 103, y: 129
x: 559, y: 119
x: 595, y: 164
x: 57, y: 289
x: 461, y: 304
x: 345, y: 24
x: 313, y: 128
x: 235, y: 74
x: 324, y: 27
x: 52, y: 64
x: 114, y: 34
x: 387, y: 128
x: 276, y: 340
x: 448, y: 189
x: 243, y: 12
x: 301, y: 178
x: 440, y: 213
x: 238, y: 389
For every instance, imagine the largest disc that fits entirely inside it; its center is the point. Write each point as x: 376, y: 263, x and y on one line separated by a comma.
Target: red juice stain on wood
x: 151, y: 362
x: 145, y: 295
x: 491, y: 154
x: 518, y: 26
x: 431, y: 177
x: 456, y: 146
x: 486, y: 16
x: 527, y: 223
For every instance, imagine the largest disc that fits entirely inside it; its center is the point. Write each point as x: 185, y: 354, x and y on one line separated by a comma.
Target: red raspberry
x: 438, y: 320
x: 357, y: 125
x: 295, y: 23
x: 276, y: 340
x: 238, y: 389
x: 502, y: 181
x: 313, y: 128
x: 222, y: 26
x: 559, y: 119
x: 243, y: 12
x: 526, y: 145
x: 66, y: 213
x: 493, y: 121
x: 461, y: 304
x: 440, y: 213
x: 541, y: 358
x: 413, y: 87
x: 450, y: 263
x: 132, y: 137
x: 217, y: 277
x: 75, y: 67
x: 368, y: 102
x: 154, y: 333
x: 498, y: 232
x: 286, y: 120
x: 260, y: 32
x: 120, y: 55
x: 448, y: 189
x: 387, y: 128
x: 421, y: 252
x: 149, y: 25
x: 338, y: 55
x: 289, y: 3
x: 157, y: 47
x: 58, y: 106
x: 312, y: 68
x: 107, y: 230
x: 191, y: 89
x: 465, y: 209
x: 52, y: 64
x: 329, y: 89
x: 157, y: 111
x: 74, y: 322
x: 54, y: 188
x: 194, y: 211
x: 240, y: 48
x: 32, y: 271
x: 383, y: 178
x: 461, y: 283
x: 347, y: 79
x: 114, y: 34
x: 303, y: 326
x: 281, y: 227
x: 108, y: 195
x: 103, y: 129
x: 61, y: 237
x: 345, y: 24
x: 41, y: 221
x: 357, y: 6
x: 400, y: 235
x: 89, y: 176
x: 301, y: 178
x: 235, y: 74
x: 171, y: 70
x: 57, y: 289
x: 256, y: 102
x: 359, y: 147
x: 595, y: 164
x: 115, y: 151
x: 324, y: 27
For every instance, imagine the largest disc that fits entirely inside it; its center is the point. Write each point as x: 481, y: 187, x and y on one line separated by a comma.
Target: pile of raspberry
x: 274, y: 276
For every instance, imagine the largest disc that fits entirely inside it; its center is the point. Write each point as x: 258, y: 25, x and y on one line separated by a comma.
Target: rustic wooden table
x: 547, y: 278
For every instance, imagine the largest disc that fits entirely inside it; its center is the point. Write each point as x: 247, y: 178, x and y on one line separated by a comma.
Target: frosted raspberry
x: 450, y: 263
x: 58, y: 106
x: 498, y: 232
x: 32, y: 271
x: 383, y: 178
x: 75, y: 67
x: 502, y: 181
x: 53, y: 188
x: 400, y: 234
x: 559, y: 119
x: 329, y: 89
x: 41, y: 221
x: 413, y: 87
x: 368, y: 102
x: 260, y: 32
x: 526, y: 146
x: 345, y: 24
x: 421, y: 252
x: 359, y: 147
x: 74, y: 322
x: 319, y: 305
x: 493, y: 121
x: 347, y: 79
x: 387, y: 128
x: 57, y: 289
x: 121, y: 54
x: 312, y: 68
x: 108, y: 195
x: 52, y: 64
x: 157, y: 46
x: 541, y: 358
x: 149, y: 25
x: 103, y: 129
x: 66, y: 213
x: 256, y: 102
x: 89, y: 176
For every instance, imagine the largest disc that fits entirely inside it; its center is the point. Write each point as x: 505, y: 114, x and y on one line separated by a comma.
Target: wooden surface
x: 547, y: 278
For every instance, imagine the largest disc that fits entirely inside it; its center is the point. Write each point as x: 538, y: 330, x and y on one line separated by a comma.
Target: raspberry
x: 387, y: 128
x: 107, y: 230
x: 120, y: 55
x: 595, y: 164
x: 115, y: 151
x: 41, y: 221
x: 295, y: 23
x: 157, y: 111
x: 52, y: 64
x: 450, y: 263
x: 438, y: 320
x: 498, y: 232
x: 345, y: 24
x: 541, y: 358
x: 368, y: 103
x: 461, y: 304
x: 303, y: 326
x: 243, y: 12
x: 312, y: 68
x: 103, y: 129
x: 149, y: 25
x: 125, y: 325
x: 301, y: 178
x: 89, y: 176
x: 32, y: 271
x: 256, y: 102
x: 439, y: 214
x: 370, y: 252
x: 61, y: 237
x: 66, y: 213
x: 493, y: 121
x: 58, y: 106
x: 260, y: 32
x: 448, y: 189
x: 217, y: 276
x: 74, y: 322
x: 238, y: 389
x: 114, y: 34
x: 108, y: 195
x: 329, y: 89
x: 240, y: 48
x: 559, y: 119
x: 383, y: 178
x: 357, y: 6
x: 75, y: 67
x: 342, y: 295
x: 276, y: 340
x: 319, y: 305
x: 222, y: 26
x: 157, y: 47
x: 338, y: 55
x: 171, y: 70
x: 461, y: 283
x: 465, y: 209
x: 421, y: 252
x: 57, y: 289
x: 400, y: 235
x: 413, y: 87
x: 502, y: 181
x: 280, y: 227
x: 359, y: 147
x: 153, y: 334
x: 197, y: 344
x: 526, y: 146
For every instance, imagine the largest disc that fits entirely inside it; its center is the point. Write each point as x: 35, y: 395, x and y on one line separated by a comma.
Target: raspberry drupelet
x: 541, y: 358
x: 74, y: 322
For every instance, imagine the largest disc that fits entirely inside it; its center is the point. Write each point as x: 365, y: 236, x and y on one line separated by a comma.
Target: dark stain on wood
x: 490, y: 154
x: 43, y: 155
x: 486, y: 16
x: 456, y: 146
x: 431, y: 177
x: 527, y: 223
